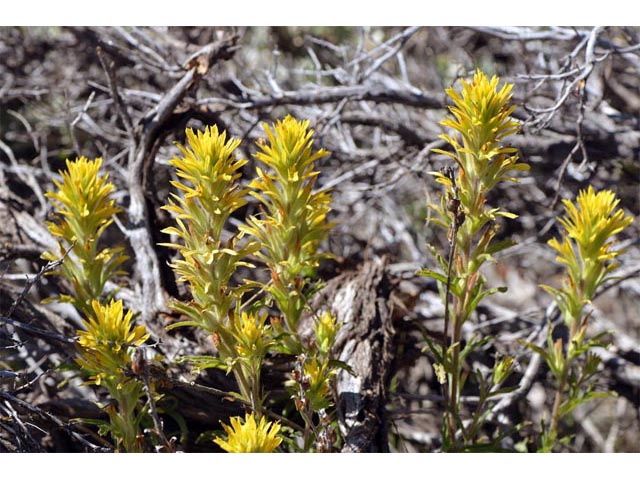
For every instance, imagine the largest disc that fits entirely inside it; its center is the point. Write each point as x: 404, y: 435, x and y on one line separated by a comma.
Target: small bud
x: 502, y: 370
x: 440, y: 372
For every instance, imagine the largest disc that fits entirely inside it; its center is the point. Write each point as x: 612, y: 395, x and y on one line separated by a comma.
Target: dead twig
x: 31, y: 282
x: 320, y: 95
x: 39, y: 332
x: 55, y: 420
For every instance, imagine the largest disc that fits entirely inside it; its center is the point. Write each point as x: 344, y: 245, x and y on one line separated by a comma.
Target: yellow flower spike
x: 253, y: 336
x: 293, y: 222
x: 84, y: 209
x: 319, y: 374
x: 209, y: 193
x: 481, y: 120
x: 210, y: 166
x: 593, y: 221
x: 586, y: 247
x: 108, y: 339
x: 249, y: 436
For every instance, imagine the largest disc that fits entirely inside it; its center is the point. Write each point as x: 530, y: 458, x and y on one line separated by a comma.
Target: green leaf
x: 186, y: 323
x: 436, y: 351
x: 104, y: 427
x: 539, y: 350
x: 472, y: 344
x: 480, y: 296
x: 440, y: 277
x: 500, y: 245
x: 333, y: 363
x: 569, y: 405
x: 204, y: 362
x: 503, y: 390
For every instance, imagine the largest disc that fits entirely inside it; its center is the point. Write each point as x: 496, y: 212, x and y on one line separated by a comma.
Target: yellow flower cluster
x: 294, y: 219
x: 326, y: 327
x: 586, y: 247
x: 84, y: 210
x: 482, y: 115
x: 209, y: 174
x: 107, y: 342
x: 105, y: 353
x: 253, y: 337
x: 481, y: 119
x: 249, y: 436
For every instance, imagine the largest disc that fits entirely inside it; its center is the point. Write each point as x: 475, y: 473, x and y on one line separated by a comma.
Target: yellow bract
x: 318, y: 372
x: 289, y: 150
x: 593, y: 221
x: 325, y: 329
x: 481, y: 114
x: 83, y: 201
x: 252, y: 335
x: 211, y: 193
x: 250, y: 436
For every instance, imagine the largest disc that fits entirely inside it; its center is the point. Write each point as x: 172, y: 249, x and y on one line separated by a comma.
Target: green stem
x: 127, y: 430
x: 256, y: 396
x: 562, y: 383
x: 453, y: 394
x: 447, y: 320
x: 555, y: 413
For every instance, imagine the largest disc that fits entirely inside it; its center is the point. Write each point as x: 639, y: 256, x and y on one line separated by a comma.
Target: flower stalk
x: 84, y: 209
x: 210, y: 192
x: 586, y: 252
x: 480, y: 121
